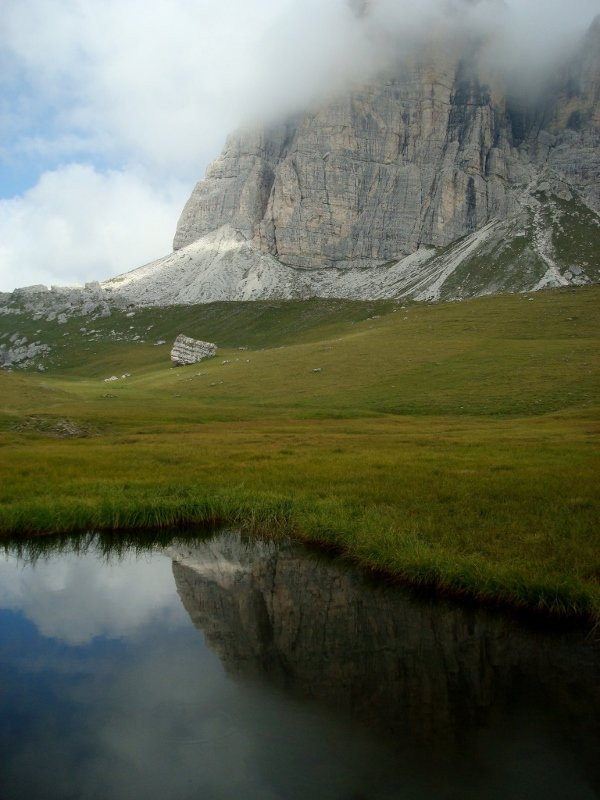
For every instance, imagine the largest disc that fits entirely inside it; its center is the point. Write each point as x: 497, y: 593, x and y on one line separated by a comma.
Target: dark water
x: 227, y: 669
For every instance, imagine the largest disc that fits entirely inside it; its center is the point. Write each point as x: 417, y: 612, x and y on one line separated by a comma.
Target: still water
x: 226, y: 668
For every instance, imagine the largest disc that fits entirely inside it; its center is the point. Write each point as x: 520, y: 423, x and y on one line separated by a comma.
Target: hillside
x: 449, y: 444
x: 374, y: 357
x: 353, y: 400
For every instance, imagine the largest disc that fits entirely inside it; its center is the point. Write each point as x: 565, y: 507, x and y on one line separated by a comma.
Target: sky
x: 111, y: 110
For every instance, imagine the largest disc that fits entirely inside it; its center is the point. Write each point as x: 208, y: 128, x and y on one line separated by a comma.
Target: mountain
x: 434, y: 179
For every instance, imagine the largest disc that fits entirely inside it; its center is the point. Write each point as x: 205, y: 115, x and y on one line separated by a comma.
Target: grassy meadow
x: 449, y: 445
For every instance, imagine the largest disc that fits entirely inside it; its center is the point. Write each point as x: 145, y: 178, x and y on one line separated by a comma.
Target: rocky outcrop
x: 417, y: 160
x: 19, y: 352
x: 61, y: 302
x: 553, y: 241
x: 422, y: 156
x: 189, y: 351
x: 430, y: 181
x: 422, y: 669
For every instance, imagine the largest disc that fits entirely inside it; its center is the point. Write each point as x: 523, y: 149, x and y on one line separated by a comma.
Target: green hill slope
x: 449, y: 444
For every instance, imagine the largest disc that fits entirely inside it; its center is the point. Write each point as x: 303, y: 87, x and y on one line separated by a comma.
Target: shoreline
x: 453, y: 446
x: 549, y: 604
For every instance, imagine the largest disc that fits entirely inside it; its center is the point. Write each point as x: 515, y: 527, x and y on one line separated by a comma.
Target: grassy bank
x: 450, y: 445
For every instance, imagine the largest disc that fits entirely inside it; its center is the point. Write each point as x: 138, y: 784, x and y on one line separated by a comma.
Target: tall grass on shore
x: 503, y: 510
x: 452, y: 446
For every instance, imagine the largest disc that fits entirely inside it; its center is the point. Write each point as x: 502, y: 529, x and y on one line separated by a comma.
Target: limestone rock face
x: 237, y: 185
x: 189, y: 351
x: 420, y: 157
x: 432, y: 180
x: 61, y: 302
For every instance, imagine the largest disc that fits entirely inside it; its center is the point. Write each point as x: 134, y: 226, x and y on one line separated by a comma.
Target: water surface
x: 225, y: 668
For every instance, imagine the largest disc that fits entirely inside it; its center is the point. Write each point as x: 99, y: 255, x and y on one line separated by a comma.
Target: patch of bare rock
x: 190, y: 351
x: 56, y: 428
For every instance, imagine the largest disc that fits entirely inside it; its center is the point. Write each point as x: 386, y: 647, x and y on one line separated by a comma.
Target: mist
x: 116, y: 107
x: 314, y: 51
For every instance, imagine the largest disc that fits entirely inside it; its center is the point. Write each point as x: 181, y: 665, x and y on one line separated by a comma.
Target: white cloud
x: 152, y: 89
x: 70, y: 598
x: 160, y: 82
x: 78, y: 224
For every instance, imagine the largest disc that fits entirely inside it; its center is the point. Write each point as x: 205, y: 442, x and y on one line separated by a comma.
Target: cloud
x: 316, y: 48
x: 154, y: 83
x: 70, y: 598
x: 78, y: 224
x: 134, y: 90
x: 162, y: 84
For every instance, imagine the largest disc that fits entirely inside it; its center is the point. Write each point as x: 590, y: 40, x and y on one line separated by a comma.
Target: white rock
x: 189, y: 351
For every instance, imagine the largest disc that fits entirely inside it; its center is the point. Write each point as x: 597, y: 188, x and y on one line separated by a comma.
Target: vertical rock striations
x: 431, y: 181
x: 421, y: 157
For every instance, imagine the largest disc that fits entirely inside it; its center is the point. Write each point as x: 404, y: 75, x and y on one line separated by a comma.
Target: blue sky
x: 110, y: 110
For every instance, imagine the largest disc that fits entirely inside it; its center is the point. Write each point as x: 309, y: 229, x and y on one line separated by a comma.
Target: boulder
x: 189, y: 351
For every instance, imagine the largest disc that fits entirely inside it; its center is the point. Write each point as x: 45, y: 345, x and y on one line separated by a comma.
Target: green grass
x: 91, y: 347
x: 576, y: 237
x: 450, y: 445
x: 512, y: 265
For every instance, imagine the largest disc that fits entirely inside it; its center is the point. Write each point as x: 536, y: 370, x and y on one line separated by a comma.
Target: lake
x: 216, y: 666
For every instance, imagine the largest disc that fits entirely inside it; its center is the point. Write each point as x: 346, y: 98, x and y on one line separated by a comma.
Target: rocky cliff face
x: 414, y: 162
x: 431, y: 181
x: 421, y: 158
x: 423, y: 669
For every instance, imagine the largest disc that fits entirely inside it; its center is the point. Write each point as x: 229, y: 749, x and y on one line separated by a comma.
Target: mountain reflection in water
x: 432, y: 673
x: 307, y: 680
